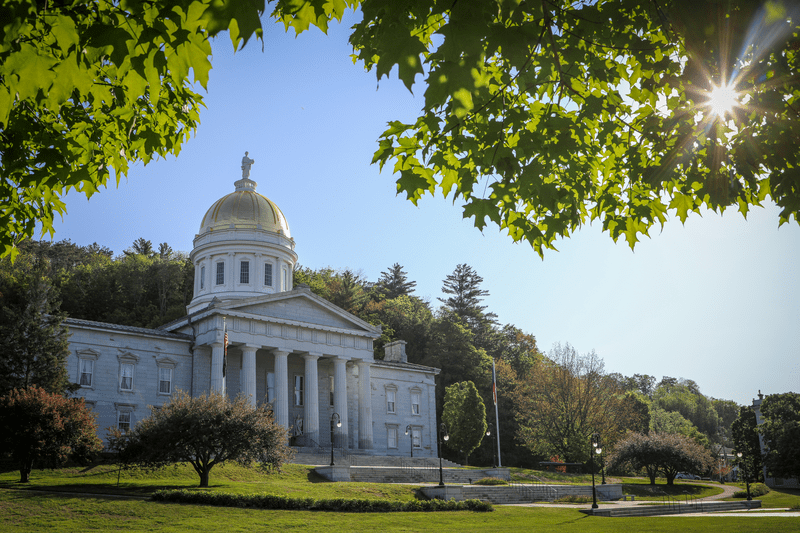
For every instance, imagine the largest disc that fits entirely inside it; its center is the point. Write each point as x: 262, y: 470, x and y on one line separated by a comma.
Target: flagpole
x: 496, y: 419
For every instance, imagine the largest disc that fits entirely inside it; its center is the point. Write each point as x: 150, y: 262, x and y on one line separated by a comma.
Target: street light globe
x: 739, y: 455
x: 598, y: 450
x: 446, y: 437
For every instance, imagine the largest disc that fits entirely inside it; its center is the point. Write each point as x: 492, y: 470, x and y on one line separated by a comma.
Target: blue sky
x: 716, y: 300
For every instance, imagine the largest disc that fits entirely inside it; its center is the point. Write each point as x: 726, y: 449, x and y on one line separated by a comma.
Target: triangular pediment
x: 300, y: 307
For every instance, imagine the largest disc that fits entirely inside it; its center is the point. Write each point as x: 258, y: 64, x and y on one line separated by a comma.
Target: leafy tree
x: 781, y: 432
x: 563, y: 399
x: 744, y: 433
x: 728, y: 412
x: 89, y: 86
x: 665, y: 453
x: 635, y: 404
x: 39, y: 427
x: 204, y: 431
x: 543, y: 116
x: 407, y: 318
x: 33, y: 342
x: 684, y: 397
x: 141, y: 246
x: 394, y: 283
x: 348, y: 291
x: 672, y: 422
x: 465, y: 416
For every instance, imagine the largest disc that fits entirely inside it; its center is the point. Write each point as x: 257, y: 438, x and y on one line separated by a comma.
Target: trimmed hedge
x: 491, y: 481
x: 269, y: 501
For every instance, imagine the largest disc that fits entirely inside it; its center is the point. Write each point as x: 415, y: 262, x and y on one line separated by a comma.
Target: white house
x: 287, y: 346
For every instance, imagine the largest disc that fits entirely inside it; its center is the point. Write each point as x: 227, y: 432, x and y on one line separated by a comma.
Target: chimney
x: 395, y: 352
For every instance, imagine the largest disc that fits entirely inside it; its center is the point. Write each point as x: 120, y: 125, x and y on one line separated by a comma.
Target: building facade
x: 310, y: 360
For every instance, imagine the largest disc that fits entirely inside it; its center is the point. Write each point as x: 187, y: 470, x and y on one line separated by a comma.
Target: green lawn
x: 776, y: 498
x: 63, y: 510
x: 29, y: 511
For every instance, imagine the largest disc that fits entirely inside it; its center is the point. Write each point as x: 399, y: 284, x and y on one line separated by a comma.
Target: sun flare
x: 723, y: 99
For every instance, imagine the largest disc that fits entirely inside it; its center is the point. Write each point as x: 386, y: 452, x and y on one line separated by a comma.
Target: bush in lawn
x: 204, y: 431
x: 756, y: 490
x: 491, y: 481
x: 37, y: 426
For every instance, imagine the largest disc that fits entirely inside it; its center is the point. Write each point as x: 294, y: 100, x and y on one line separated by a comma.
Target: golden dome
x: 245, y: 209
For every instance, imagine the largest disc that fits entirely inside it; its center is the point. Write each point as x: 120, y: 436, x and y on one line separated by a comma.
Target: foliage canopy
x: 665, y: 453
x: 781, y: 431
x: 37, y: 426
x: 465, y: 416
x: 543, y: 116
x: 204, y: 431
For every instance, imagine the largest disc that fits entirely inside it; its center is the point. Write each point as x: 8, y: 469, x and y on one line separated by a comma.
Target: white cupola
x: 244, y: 247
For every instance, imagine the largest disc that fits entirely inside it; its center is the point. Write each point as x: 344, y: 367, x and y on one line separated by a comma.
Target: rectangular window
x: 391, y: 437
x: 165, y: 380
x: 333, y: 389
x: 126, y: 377
x: 244, y: 272
x: 416, y: 438
x: 298, y: 390
x: 390, y: 400
x: 202, y: 277
x: 268, y: 274
x: 220, y: 273
x: 124, y: 421
x: 415, y: 397
x: 270, y: 387
x: 87, y: 366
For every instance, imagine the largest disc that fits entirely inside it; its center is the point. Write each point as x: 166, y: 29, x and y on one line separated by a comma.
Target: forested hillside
x: 548, y: 402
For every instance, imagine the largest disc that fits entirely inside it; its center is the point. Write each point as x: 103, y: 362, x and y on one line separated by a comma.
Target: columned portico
x: 217, y: 361
x: 249, y: 372
x: 311, y: 398
x: 281, y: 387
x: 340, y: 400
x: 364, y: 406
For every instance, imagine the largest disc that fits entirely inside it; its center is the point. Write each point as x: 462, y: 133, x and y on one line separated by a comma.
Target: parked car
x: 685, y: 475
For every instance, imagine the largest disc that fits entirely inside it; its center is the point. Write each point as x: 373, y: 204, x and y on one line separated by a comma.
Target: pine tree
x: 464, y: 286
x: 33, y: 342
x: 395, y: 283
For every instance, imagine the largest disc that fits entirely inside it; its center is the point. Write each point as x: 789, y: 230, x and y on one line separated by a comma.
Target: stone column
x: 217, y: 380
x: 277, y: 277
x: 311, y: 399
x: 281, y: 388
x: 249, y: 372
x: 340, y: 400
x: 231, y: 267
x: 364, y: 406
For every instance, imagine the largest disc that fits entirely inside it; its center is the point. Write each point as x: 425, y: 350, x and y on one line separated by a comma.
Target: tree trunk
x: 204, y: 478
x: 24, y: 472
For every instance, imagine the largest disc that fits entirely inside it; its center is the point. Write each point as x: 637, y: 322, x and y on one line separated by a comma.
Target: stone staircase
x: 661, y: 510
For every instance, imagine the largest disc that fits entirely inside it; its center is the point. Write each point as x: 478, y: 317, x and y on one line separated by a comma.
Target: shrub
x: 756, y: 490
x: 269, y: 501
x: 491, y: 481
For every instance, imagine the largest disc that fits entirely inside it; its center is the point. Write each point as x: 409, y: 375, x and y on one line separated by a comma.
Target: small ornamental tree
x: 465, y: 416
x: 665, y: 453
x: 744, y: 432
x: 204, y: 431
x: 39, y: 427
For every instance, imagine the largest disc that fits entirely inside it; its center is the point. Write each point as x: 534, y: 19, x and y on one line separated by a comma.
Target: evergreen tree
x: 33, y: 341
x: 464, y: 286
x: 394, y: 283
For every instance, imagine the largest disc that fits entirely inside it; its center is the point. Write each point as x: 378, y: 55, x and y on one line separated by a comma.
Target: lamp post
x: 442, y: 436
x: 746, y: 478
x: 595, y: 444
x: 338, y: 421
x: 494, y: 455
x: 410, y: 431
x: 599, y: 452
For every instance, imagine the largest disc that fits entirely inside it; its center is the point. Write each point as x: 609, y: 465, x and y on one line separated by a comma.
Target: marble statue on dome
x: 246, y: 163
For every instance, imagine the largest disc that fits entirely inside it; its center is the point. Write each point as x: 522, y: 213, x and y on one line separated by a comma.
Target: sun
x: 722, y: 99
